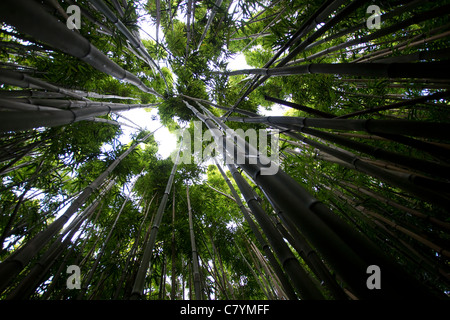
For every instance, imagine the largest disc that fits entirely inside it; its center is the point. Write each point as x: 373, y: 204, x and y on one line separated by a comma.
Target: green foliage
x: 44, y: 169
x: 171, y: 108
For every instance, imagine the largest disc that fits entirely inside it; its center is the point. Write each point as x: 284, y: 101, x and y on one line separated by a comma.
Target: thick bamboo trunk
x: 309, y: 255
x: 25, y: 81
x: 32, y: 19
x: 298, y: 276
x: 386, y: 128
x: 71, y: 104
x: 19, y: 120
x: 432, y: 70
x: 30, y: 93
x: 280, y: 273
x: 314, y: 220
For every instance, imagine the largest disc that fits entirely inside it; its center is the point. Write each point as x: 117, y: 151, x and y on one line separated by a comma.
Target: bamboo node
x: 74, y: 116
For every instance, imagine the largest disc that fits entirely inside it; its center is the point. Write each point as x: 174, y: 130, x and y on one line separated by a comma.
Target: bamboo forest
x: 344, y: 194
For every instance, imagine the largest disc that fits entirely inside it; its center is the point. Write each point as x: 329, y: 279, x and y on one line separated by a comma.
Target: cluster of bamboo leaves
x: 364, y: 150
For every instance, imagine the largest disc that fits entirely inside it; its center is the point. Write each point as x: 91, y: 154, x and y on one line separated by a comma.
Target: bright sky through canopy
x: 165, y: 139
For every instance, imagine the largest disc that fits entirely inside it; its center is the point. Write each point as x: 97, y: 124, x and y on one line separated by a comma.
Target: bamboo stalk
x: 318, y: 16
x: 415, y: 128
x: 436, y: 12
x: 437, y: 222
x: 410, y: 252
x: 403, y: 182
x: 88, y: 278
x: 138, y: 287
x: 197, y: 283
x: 404, y: 230
x: 32, y: 19
x: 425, y: 16
x: 134, y: 41
x: 271, y: 282
x: 208, y: 23
x: 133, y: 249
x: 188, y: 25
x: 31, y: 281
x: 252, y: 270
x: 433, y: 70
x: 49, y: 289
x: 309, y: 255
x: 25, y: 81
x: 396, y: 12
x: 434, y: 96
x: 279, y: 186
x: 173, y: 277
x: 405, y: 45
x: 258, y: 266
x: 16, y: 120
x: 298, y: 276
x: 13, y: 215
x: 290, y: 263
x: 252, y: 36
x: 87, y: 14
x: 262, y: 33
x: 20, y: 258
x: 241, y: 111
x: 290, y: 293
x: 306, y: 109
